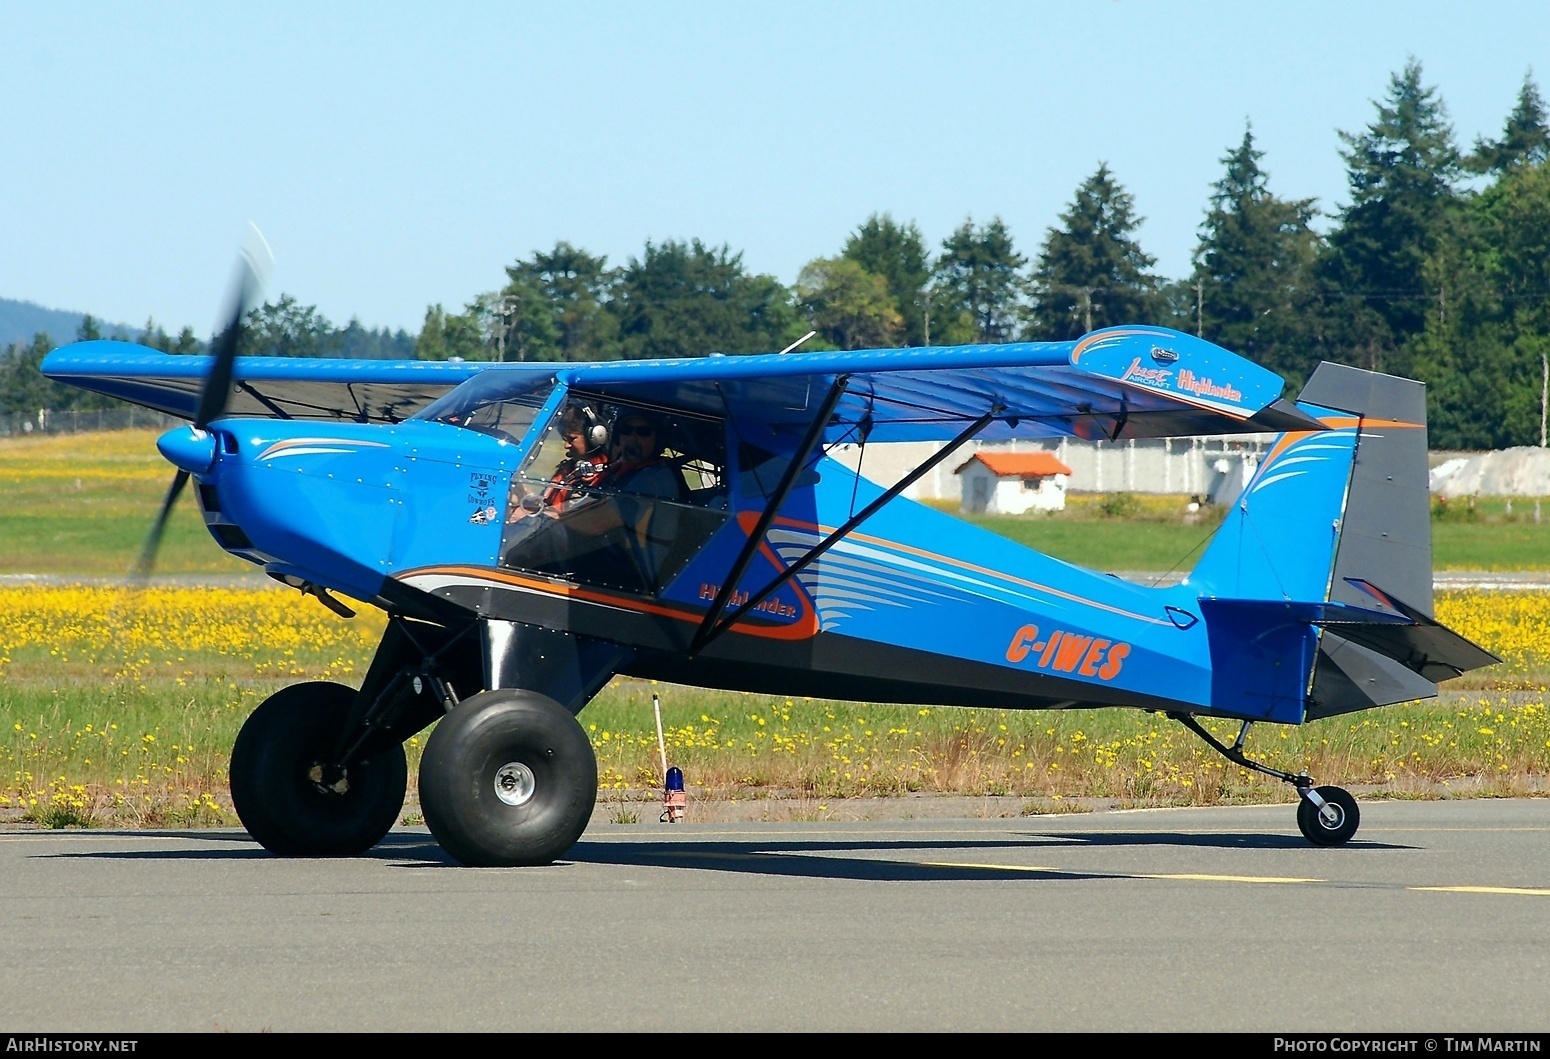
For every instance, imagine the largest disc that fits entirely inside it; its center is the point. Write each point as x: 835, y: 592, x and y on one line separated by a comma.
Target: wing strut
x: 709, y: 632
x: 815, y: 431
x: 261, y: 399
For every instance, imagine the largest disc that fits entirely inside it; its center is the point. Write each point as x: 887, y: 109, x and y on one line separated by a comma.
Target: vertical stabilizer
x: 1341, y: 515
x: 1385, y: 535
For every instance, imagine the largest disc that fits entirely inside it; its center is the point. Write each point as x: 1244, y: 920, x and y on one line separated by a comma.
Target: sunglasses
x: 638, y: 430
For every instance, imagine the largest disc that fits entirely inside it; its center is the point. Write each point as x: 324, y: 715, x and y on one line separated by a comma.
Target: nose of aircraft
x: 188, y: 448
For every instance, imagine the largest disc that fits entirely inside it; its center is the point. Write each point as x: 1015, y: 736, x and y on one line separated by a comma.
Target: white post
x: 656, y: 706
x: 1544, y: 394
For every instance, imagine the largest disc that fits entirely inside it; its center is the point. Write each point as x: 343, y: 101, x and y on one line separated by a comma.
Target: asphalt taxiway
x: 1435, y: 918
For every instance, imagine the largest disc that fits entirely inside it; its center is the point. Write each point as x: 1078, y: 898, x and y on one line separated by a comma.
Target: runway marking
x: 1123, y: 875
x: 994, y: 867
x: 1233, y: 878
x: 1519, y: 890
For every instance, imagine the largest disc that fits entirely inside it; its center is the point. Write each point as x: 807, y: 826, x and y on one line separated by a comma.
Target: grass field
x: 80, y: 505
x: 120, y: 706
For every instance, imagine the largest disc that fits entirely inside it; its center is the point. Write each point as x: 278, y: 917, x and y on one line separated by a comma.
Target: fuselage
x: 912, y: 606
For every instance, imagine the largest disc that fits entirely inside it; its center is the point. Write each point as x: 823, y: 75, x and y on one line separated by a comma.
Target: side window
x: 618, y: 495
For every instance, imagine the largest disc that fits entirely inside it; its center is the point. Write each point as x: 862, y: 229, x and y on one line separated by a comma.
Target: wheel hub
x: 330, y: 779
x: 514, y: 783
x: 1331, y: 815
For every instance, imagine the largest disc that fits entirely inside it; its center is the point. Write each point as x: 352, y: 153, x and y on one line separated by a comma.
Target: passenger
x: 620, y: 530
x: 640, y: 530
x: 585, y: 438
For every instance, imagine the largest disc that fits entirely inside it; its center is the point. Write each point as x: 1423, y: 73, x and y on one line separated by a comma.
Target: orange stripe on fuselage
x: 922, y: 553
x: 805, y: 627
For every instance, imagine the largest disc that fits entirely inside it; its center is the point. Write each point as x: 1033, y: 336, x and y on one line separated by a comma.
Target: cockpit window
x: 501, y: 403
x: 617, y: 494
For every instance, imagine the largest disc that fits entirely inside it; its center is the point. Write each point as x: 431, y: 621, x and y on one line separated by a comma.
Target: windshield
x: 501, y: 403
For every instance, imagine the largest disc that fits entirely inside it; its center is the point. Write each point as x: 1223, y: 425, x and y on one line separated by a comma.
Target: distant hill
x: 19, y: 321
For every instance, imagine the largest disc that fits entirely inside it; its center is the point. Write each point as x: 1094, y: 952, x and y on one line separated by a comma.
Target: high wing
x: 1114, y: 384
x: 363, y: 391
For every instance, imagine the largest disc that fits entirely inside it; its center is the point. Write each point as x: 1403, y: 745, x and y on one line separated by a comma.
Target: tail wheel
x: 508, y: 779
x: 287, y: 794
x: 1334, y: 822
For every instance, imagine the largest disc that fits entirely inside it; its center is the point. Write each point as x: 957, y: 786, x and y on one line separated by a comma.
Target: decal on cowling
x: 479, y: 486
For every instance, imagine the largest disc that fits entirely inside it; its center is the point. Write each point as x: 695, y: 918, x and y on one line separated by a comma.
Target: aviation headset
x: 594, y: 429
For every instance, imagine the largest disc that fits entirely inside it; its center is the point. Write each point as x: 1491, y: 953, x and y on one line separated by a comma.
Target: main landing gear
x: 508, y: 777
x: 1327, y: 816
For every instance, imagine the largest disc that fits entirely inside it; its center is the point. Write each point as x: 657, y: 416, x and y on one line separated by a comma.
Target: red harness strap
x: 566, y: 479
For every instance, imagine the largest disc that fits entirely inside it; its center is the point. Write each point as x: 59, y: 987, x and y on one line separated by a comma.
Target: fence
x: 77, y: 420
x: 1213, y: 468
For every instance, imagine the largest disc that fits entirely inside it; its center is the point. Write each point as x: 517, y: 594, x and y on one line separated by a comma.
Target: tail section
x: 1317, y: 590
x: 1386, y: 531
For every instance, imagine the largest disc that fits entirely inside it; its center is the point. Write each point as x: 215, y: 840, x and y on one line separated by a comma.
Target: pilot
x: 585, y: 461
x: 637, y: 476
x: 638, y: 465
x: 618, y: 532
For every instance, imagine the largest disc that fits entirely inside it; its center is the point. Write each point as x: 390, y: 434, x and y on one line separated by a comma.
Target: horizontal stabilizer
x: 1349, y: 677
x: 1398, y: 631
x: 1418, y: 642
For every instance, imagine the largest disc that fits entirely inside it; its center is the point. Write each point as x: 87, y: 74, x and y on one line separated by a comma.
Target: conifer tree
x: 1092, y: 272
x: 897, y: 253
x: 978, y: 290
x: 1525, y: 137
x: 1253, y: 268
x: 687, y: 300
x: 575, y: 288
x: 1402, y: 171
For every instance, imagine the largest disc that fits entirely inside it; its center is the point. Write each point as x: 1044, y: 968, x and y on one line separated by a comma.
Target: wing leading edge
x: 1115, y: 384
x: 366, y: 391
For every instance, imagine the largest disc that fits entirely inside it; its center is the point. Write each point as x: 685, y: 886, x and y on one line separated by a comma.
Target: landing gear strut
x: 1327, y: 816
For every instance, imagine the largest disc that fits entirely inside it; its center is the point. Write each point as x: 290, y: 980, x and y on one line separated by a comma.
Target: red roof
x: 1019, y: 464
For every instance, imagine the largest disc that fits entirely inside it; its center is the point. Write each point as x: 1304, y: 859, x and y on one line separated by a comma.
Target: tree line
x: 284, y: 328
x: 1438, y: 268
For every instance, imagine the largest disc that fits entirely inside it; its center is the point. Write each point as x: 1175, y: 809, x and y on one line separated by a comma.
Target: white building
x: 1010, y: 483
x: 1213, y: 469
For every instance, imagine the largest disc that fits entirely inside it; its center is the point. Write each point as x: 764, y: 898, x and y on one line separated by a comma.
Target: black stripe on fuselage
x: 825, y: 665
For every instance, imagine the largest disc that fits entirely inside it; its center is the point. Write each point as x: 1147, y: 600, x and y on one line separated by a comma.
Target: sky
x: 396, y: 155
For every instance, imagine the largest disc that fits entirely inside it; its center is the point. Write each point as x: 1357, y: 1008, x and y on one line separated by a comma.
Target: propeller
x: 253, y: 267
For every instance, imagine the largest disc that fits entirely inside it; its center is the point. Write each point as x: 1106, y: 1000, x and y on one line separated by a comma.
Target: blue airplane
x: 532, y: 530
